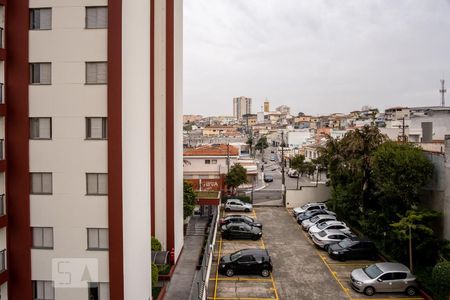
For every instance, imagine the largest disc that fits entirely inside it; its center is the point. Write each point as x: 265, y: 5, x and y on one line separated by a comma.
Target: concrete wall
x: 295, y: 198
x: 437, y: 193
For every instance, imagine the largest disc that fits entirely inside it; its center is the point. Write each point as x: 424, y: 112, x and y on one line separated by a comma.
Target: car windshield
x: 248, y: 219
x: 314, y: 219
x: 346, y: 243
x: 305, y: 206
x: 322, y: 226
x: 235, y: 255
x: 322, y: 233
x: 246, y: 227
x: 373, y: 271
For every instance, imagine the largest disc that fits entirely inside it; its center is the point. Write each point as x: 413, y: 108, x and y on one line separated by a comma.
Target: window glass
x: 387, y: 276
x: 96, y: 17
x: 96, y: 73
x: 41, y: 18
x: 399, y: 275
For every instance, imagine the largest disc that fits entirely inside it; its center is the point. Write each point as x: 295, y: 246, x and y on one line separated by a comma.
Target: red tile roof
x: 212, y: 150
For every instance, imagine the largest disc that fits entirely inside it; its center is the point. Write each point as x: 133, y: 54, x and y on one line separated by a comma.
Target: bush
x: 441, y: 278
x: 155, y: 274
x: 164, y: 269
x: 156, y: 245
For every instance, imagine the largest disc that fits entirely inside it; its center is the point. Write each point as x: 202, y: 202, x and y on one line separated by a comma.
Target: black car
x: 268, y: 178
x: 240, y: 231
x: 353, y: 248
x: 311, y: 213
x: 239, y: 219
x: 246, y: 261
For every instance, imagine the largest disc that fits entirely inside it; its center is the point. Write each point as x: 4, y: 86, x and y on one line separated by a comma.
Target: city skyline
x: 331, y: 55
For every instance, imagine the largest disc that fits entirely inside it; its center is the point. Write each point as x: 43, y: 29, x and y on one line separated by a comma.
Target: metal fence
x: 201, y: 277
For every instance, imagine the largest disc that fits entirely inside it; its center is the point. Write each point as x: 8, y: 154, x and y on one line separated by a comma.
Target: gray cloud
x: 315, y: 56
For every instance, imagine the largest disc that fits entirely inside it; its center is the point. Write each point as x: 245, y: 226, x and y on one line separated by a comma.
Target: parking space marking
x: 241, y: 279
x: 240, y: 298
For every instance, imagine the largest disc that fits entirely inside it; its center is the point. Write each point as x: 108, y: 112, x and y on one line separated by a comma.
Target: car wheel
x: 369, y: 291
x: 411, y: 291
x: 227, y: 209
x: 265, y: 273
x: 247, y: 210
x: 229, y: 272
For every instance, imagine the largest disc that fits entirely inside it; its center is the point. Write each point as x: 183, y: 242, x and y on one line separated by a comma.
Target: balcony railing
x: 3, y: 260
x: 2, y: 149
x: 2, y: 205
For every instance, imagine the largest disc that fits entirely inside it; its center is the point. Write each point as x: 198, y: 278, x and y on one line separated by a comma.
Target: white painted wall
x: 136, y: 148
x: 68, y: 155
x: 296, y: 198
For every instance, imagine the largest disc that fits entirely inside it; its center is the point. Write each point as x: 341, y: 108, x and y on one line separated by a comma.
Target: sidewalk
x: 181, y: 281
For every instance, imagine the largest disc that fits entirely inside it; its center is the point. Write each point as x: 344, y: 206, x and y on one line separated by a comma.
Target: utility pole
x: 282, y: 169
x: 228, y: 157
x: 403, y: 137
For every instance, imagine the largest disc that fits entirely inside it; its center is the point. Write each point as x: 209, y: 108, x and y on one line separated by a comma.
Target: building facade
x: 81, y: 185
x: 266, y: 106
x: 241, y: 106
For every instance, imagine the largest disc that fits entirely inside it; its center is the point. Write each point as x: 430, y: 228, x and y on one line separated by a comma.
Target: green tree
x: 236, y: 177
x: 189, y: 199
x: 262, y: 144
x: 441, y: 279
x: 156, y: 244
x: 250, y: 142
x: 298, y: 164
x: 415, y: 226
x: 400, y: 171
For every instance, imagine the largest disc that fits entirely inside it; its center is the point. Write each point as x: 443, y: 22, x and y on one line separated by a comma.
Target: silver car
x: 330, y: 225
x: 324, y: 238
x: 384, y: 277
x: 306, y: 224
x: 238, y: 205
x: 309, y: 206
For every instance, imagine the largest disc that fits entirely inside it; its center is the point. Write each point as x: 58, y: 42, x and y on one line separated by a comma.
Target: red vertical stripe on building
x: 152, y: 115
x: 17, y: 151
x: 170, y: 124
x: 115, y: 218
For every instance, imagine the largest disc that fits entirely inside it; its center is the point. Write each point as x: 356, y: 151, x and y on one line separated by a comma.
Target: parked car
x: 309, y: 206
x: 268, y: 178
x: 292, y: 173
x: 273, y: 158
x: 324, y: 238
x: 239, y: 219
x: 246, y: 261
x: 238, y: 205
x: 353, y: 248
x: 384, y: 277
x: 316, y: 220
x: 240, y: 231
x: 311, y: 213
x: 341, y: 226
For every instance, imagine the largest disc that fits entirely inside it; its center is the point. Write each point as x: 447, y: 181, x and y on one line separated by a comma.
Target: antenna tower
x: 443, y: 91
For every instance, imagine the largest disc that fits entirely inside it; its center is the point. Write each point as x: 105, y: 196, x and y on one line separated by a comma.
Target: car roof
x: 254, y: 251
x: 237, y: 216
x: 236, y: 224
x: 392, y: 267
x: 334, y: 222
x: 333, y: 231
x: 234, y: 199
x: 324, y: 216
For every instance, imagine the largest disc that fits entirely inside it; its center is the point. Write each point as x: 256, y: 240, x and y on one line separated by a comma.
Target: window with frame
x: 214, y: 161
x: 40, y: 128
x: 98, y: 291
x: 41, y: 73
x: 96, y: 72
x: 97, y: 183
x: 96, y: 17
x: 97, y: 238
x: 41, y: 183
x: 43, y: 290
x: 96, y: 128
x: 40, y: 18
x: 207, y: 161
x: 42, y: 237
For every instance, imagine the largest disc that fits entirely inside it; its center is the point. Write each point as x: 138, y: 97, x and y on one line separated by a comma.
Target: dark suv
x: 240, y: 231
x: 246, y: 261
x: 353, y: 248
x: 239, y: 219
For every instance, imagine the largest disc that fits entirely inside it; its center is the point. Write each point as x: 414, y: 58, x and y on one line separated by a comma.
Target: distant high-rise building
x: 284, y: 109
x: 266, y: 106
x: 241, y: 106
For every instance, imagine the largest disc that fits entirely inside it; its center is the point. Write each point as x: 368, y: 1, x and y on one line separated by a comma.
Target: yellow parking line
x: 335, y: 276
x: 217, y: 270
x: 240, y: 298
x: 242, y: 279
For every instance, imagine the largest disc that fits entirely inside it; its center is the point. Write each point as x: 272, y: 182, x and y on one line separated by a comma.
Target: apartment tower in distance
x: 241, y: 106
x: 266, y: 106
x: 92, y: 107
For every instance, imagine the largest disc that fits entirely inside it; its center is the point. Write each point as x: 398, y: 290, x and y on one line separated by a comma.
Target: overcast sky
x: 315, y: 56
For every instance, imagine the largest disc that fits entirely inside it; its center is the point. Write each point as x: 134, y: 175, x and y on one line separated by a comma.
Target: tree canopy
x: 236, y: 176
x: 189, y: 199
x: 262, y: 143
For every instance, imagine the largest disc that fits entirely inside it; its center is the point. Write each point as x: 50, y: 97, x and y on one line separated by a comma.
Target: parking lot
x: 301, y: 271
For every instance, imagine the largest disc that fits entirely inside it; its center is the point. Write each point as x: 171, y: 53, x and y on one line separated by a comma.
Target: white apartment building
x: 241, y: 106
x: 93, y: 163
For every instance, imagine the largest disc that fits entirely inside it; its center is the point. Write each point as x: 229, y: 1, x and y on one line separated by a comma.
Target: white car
x: 324, y: 238
x: 238, y: 205
x: 309, y: 206
x: 306, y: 224
x: 330, y: 225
